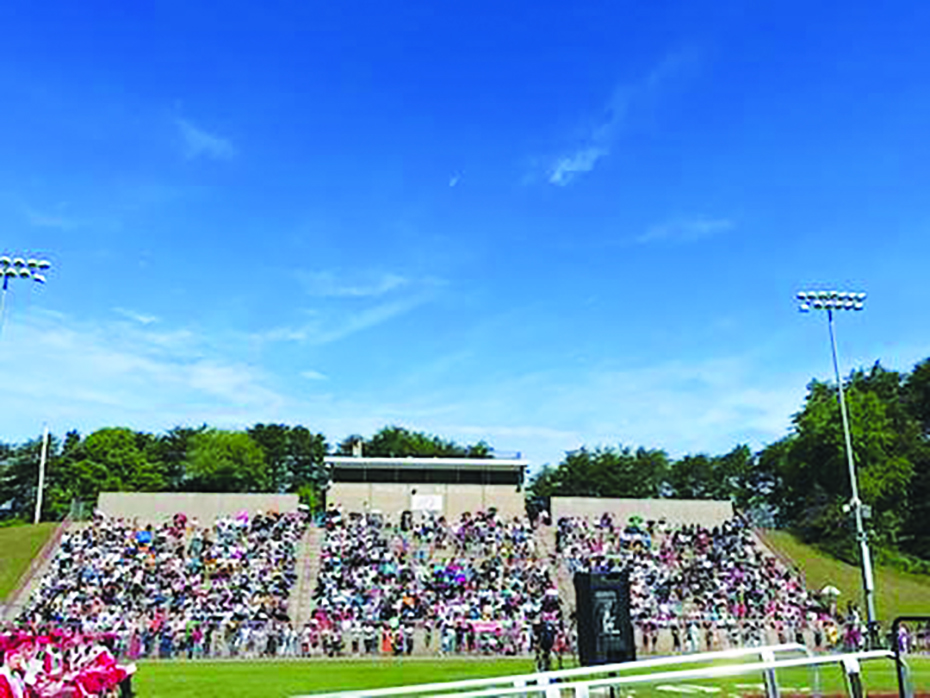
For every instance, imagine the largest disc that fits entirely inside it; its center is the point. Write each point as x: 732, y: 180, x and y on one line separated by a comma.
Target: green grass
x: 277, y: 679
x: 18, y: 545
x: 244, y: 679
x: 896, y: 593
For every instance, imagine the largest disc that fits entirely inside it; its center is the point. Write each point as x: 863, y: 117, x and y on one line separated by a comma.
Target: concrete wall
x: 155, y: 507
x: 393, y: 498
x: 706, y: 512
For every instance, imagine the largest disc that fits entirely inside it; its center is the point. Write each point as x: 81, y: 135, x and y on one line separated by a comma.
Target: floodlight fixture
x: 18, y: 267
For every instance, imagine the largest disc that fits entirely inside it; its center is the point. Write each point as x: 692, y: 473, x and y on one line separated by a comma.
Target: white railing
x: 850, y: 663
x: 568, y: 678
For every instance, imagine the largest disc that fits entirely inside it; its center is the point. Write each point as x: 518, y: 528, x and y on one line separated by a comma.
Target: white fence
x: 583, y: 681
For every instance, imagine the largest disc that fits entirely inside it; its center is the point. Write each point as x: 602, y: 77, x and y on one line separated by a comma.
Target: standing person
x: 676, y: 637
x: 694, y: 642
x: 561, y: 644
x: 544, y: 638
x: 408, y: 638
x: 903, y: 639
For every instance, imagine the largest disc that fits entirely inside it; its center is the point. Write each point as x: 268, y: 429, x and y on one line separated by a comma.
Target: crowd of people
x: 56, y: 663
x: 703, y: 588
x: 477, y: 584
x: 177, y: 588
x: 480, y: 583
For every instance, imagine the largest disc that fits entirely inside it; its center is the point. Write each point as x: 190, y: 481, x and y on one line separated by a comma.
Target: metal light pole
x: 30, y: 270
x: 19, y: 268
x: 835, y: 301
x: 43, y: 459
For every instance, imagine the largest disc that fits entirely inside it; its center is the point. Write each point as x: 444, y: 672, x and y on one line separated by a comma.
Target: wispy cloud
x: 567, y: 167
x: 141, y: 318
x: 686, y: 229
x: 85, y: 375
x: 312, y: 375
x: 326, y: 328
x: 199, y: 142
x: 49, y: 219
x: 684, y: 406
x: 332, y: 284
x: 598, y: 139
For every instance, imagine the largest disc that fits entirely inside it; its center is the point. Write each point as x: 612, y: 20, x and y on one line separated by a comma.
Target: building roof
x: 372, y: 463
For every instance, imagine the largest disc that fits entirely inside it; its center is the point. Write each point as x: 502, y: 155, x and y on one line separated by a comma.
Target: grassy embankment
x: 19, y: 544
x: 896, y: 593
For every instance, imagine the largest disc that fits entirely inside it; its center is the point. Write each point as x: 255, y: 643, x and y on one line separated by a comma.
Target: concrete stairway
x: 300, y: 605
x: 545, y: 542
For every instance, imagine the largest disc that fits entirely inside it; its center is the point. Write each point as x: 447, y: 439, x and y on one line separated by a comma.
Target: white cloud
x: 597, y: 140
x: 49, y: 219
x: 313, y: 375
x: 332, y: 284
x: 337, y: 326
x: 686, y: 229
x: 683, y: 406
x: 570, y: 166
x: 200, y: 142
x: 454, y: 180
x: 85, y: 375
x: 141, y: 318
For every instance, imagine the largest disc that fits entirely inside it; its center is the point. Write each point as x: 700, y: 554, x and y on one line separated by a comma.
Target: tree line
x: 800, y: 481
x: 262, y: 458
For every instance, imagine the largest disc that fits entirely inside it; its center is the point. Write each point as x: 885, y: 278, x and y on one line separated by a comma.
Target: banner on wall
x: 426, y: 502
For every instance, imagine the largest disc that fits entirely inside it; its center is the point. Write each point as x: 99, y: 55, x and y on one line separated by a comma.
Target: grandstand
x: 441, y: 582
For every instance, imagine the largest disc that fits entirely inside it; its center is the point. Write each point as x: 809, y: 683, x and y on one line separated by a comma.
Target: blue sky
x: 538, y: 224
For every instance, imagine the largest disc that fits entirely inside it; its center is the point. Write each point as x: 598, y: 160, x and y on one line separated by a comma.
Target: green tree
x: 915, y: 536
x: 19, y: 476
x: 225, y: 461
x: 692, y: 477
x: 604, y: 472
x: 811, y: 470
x: 294, y: 456
x: 916, y: 395
x: 170, y: 450
x: 273, y: 439
x: 306, y: 452
x: 112, y: 459
x: 398, y: 442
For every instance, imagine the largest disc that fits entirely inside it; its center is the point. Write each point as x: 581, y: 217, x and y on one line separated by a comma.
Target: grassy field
x: 896, y: 593
x: 18, y: 545
x: 243, y: 679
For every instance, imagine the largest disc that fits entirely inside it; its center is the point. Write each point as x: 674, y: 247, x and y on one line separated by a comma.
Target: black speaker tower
x: 605, y: 631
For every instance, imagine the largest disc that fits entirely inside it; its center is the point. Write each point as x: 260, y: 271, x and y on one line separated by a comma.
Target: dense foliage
x: 890, y: 433
x: 397, y: 442
x: 800, y: 481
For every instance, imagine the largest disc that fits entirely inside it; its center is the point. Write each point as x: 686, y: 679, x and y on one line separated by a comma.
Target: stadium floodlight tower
x: 835, y: 301
x: 12, y: 268
x: 18, y: 268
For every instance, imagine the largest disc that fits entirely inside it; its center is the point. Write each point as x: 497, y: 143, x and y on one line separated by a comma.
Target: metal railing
x: 546, y: 682
x: 850, y: 662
